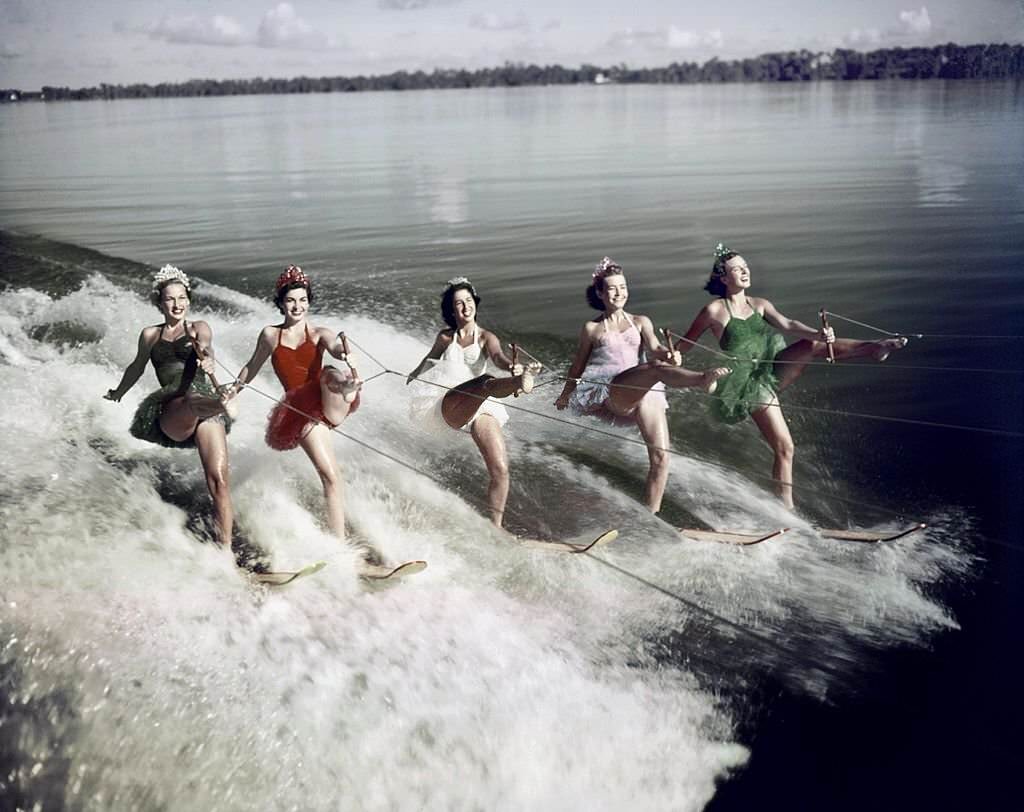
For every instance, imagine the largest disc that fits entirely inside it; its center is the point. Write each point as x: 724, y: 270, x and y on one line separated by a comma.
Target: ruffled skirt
x: 146, y: 422
x: 591, y: 394
x: 300, y: 410
x: 430, y: 389
x: 750, y: 386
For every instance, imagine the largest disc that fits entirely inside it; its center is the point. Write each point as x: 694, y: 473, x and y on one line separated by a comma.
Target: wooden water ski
x: 869, y: 536
x: 282, y: 578
x: 377, y: 572
x: 607, y: 537
x: 730, y: 537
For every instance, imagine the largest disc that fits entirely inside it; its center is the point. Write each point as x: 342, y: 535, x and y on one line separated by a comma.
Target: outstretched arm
x: 701, y: 324
x: 264, y: 347
x: 137, y: 366
x: 579, y: 363
x: 435, y: 352
x: 794, y: 327
x: 653, y: 346
x: 493, y: 349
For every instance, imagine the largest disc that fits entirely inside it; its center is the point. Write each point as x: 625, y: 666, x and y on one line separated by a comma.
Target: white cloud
x: 413, y: 5
x: 193, y: 30
x: 916, y: 22
x: 862, y: 38
x: 679, y: 39
x: 282, y: 27
x: 494, y: 22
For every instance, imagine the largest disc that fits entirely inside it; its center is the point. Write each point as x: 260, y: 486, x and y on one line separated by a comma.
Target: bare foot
x: 886, y: 346
x: 709, y: 380
x: 526, y: 381
x: 350, y: 389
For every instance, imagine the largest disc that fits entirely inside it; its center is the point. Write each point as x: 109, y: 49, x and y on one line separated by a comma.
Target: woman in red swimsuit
x: 317, y: 398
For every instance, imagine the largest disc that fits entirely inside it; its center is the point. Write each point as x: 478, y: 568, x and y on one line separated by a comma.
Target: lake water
x: 139, y: 669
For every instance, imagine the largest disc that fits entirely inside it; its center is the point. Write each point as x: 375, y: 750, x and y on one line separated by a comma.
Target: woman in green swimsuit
x: 186, y: 412
x: 744, y: 326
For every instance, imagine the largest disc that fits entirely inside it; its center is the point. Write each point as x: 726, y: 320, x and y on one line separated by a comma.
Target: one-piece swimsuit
x: 613, y: 351
x: 174, y: 362
x: 456, y: 365
x: 752, y: 383
x: 299, y: 370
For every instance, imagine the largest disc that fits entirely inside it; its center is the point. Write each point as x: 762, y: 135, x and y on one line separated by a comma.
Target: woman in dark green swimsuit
x: 186, y: 412
x: 744, y: 326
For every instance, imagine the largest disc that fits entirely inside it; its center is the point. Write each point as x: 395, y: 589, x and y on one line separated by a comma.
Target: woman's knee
x: 330, y: 476
x: 218, y: 482
x: 784, y: 447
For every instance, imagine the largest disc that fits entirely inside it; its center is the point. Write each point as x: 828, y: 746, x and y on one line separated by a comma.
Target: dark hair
x: 284, y: 290
x: 448, y: 302
x: 157, y: 295
x: 606, y: 268
x: 715, y: 286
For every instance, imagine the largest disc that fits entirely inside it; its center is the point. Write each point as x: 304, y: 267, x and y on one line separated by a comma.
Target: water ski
x: 729, y: 537
x: 607, y: 537
x: 377, y: 572
x: 282, y: 578
x: 869, y: 536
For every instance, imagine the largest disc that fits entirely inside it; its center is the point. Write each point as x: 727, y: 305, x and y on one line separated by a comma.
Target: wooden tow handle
x: 201, y: 354
x: 669, y: 339
x: 831, y: 357
x: 344, y: 349
x: 515, y: 358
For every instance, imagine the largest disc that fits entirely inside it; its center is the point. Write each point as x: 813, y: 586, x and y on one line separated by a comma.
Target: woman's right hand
x: 562, y: 402
x: 112, y: 394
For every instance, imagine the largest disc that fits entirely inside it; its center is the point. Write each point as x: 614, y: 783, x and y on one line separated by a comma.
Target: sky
x: 85, y: 42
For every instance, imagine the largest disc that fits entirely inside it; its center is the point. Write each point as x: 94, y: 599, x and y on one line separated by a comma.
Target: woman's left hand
x: 827, y: 334
x: 207, y: 365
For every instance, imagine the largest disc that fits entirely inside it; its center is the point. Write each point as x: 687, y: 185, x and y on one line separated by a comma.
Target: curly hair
x: 284, y: 290
x: 715, y: 286
x: 607, y: 267
x: 448, y: 302
x: 156, y: 296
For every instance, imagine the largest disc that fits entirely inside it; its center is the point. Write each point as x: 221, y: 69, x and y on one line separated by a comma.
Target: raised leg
x: 628, y: 388
x: 650, y: 419
x: 211, y: 442
x: 318, y: 447
x: 338, y: 392
x: 462, y: 403
x: 775, y: 430
x: 488, y: 437
x: 797, y: 355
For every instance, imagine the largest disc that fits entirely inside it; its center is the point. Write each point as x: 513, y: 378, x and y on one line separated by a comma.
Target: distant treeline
x: 941, y: 62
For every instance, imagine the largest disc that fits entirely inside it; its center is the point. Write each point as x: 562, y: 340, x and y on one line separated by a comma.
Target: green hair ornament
x: 721, y: 251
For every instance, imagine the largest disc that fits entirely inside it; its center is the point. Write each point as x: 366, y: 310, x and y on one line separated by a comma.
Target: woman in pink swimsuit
x: 317, y: 398
x: 609, y: 377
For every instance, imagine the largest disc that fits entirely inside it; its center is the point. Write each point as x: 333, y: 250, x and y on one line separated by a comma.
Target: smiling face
x: 737, y: 274
x: 174, y: 301
x: 613, y: 292
x: 464, y: 307
x: 295, y: 304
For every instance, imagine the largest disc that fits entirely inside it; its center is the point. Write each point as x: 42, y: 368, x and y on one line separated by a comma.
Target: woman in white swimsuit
x: 463, y: 392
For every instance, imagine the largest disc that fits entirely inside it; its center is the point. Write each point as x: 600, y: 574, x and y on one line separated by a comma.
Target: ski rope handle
x: 345, y: 351
x: 831, y: 358
x: 515, y: 358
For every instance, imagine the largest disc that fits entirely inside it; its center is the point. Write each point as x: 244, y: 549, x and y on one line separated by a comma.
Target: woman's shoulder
x: 714, y: 309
